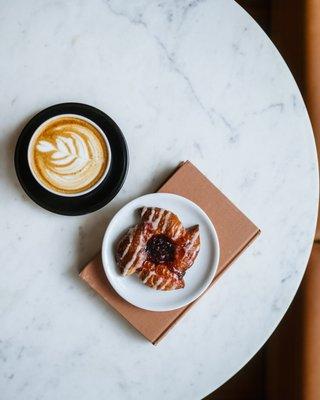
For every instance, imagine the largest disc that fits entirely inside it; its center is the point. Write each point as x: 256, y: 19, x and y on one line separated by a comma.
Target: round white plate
x: 197, y: 278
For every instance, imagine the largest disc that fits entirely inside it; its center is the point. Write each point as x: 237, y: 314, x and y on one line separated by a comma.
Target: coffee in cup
x: 69, y: 155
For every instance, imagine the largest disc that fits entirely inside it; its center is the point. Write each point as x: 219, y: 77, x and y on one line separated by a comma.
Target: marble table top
x: 194, y: 80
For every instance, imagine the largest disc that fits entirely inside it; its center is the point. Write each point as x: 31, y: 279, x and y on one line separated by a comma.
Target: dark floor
x: 260, y: 10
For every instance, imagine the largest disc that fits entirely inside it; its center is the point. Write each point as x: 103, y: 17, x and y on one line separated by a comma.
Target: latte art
x: 68, y: 155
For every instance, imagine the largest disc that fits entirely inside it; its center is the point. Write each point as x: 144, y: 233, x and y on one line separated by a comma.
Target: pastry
x: 158, y: 249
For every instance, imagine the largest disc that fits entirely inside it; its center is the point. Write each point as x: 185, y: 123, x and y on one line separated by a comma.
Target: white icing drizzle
x: 159, y: 281
x: 140, y: 261
x: 143, y: 211
x: 132, y: 232
x: 192, y: 241
x: 155, y: 223
x: 163, y: 286
x: 152, y: 211
x: 178, y: 231
x: 150, y: 274
x: 133, y: 258
x: 165, y: 223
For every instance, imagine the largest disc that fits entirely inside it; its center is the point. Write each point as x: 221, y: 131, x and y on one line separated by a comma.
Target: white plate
x: 197, y: 278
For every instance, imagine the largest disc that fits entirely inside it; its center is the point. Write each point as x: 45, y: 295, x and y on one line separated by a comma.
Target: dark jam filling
x: 160, y: 249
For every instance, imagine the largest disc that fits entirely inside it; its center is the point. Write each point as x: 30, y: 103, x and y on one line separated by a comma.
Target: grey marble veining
x: 194, y: 80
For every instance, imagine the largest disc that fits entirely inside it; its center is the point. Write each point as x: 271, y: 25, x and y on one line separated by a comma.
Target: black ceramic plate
x: 88, y: 202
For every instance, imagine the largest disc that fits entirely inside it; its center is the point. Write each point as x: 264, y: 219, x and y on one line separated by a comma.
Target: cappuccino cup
x: 69, y: 155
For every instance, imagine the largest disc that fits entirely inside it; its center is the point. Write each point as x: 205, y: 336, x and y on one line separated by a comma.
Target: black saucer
x: 91, y: 201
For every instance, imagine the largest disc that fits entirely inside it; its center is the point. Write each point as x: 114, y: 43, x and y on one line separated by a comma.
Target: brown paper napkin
x: 235, y: 232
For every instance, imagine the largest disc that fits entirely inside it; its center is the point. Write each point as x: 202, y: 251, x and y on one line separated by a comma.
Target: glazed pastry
x: 159, y: 249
